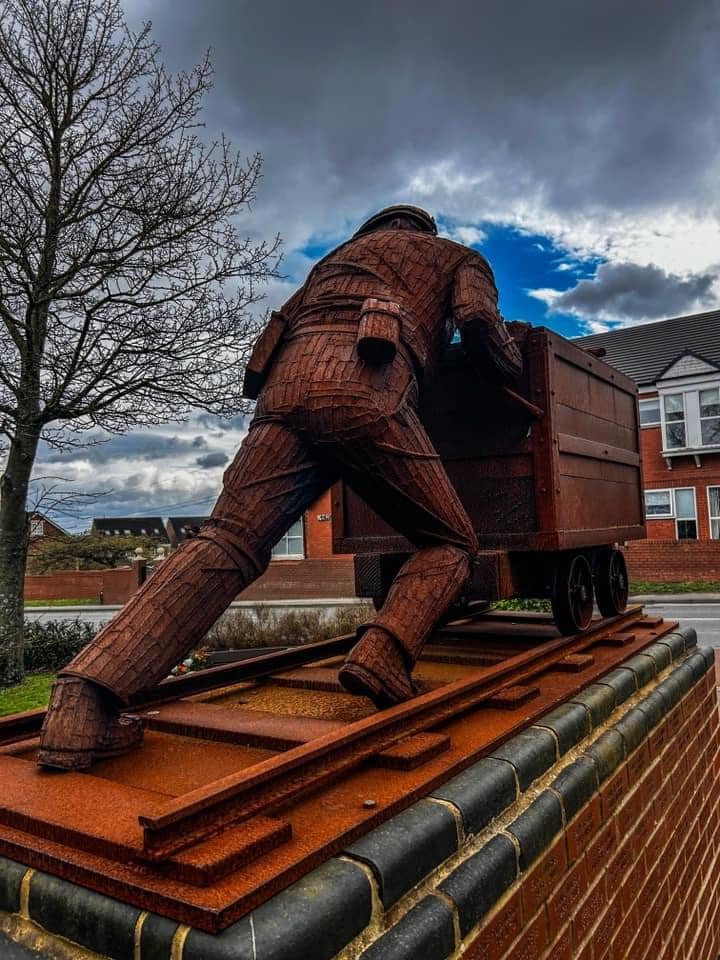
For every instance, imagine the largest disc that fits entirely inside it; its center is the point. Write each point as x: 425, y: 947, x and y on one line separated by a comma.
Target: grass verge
x: 34, y: 692
x: 671, y: 586
x: 81, y: 602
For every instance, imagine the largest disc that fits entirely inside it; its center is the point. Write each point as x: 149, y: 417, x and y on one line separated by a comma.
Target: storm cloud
x: 101, y: 448
x: 211, y: 460
x: 559, y: 114
x: 626, y: 291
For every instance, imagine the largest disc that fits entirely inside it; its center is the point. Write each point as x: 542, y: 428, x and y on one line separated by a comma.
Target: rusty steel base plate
x: 245, y: 783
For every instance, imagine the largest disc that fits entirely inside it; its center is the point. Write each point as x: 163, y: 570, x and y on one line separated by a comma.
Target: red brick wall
x: 318, y: 531
x: 681, y: 560
x: 684, y: 473
x: 328, y: 578
x: 642, y: 883
x: 116, y: 585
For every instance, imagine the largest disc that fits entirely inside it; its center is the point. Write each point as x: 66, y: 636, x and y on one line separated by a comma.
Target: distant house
x: 676, y: 364
x: 129, y: 527
x: 178, y: 527
x: 41, y: 528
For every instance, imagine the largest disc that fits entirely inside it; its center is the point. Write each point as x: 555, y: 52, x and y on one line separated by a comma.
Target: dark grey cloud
x: 582, y: 104
x: 131, y: 446
x: 212, y: 460
x: 622, y: 291
x: 219, y: 425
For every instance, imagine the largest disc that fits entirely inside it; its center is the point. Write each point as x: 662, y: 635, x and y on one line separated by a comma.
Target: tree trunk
x: 13, y: 554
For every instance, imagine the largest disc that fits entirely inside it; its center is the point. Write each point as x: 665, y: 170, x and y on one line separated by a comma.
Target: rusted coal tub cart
x: 549, y: 473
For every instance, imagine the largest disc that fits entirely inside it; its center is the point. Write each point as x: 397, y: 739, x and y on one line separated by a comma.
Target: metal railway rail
x: 253, y: 773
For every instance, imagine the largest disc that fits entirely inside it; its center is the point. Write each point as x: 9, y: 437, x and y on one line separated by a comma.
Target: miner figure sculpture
x: 338, y: 374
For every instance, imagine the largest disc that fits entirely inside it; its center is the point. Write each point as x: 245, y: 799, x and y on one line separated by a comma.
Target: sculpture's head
x: 401, y: 216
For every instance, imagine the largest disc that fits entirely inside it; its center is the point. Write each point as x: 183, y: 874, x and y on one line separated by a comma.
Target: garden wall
x: 668, y: 560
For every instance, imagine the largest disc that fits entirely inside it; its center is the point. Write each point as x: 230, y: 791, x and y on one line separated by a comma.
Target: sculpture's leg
x: 380, y: 664
x: 273, y: 478
x: 407, y: 484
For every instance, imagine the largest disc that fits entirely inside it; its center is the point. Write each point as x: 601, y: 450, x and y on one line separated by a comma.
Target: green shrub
x: 240, y: 630
x: 535, y: 605
x: 50, y: 646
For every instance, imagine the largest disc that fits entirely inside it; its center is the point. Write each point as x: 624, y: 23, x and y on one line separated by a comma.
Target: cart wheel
x: 611, y: 583
x: 572, y: 594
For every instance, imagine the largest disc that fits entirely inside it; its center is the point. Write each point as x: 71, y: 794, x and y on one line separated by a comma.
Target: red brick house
x: 40, y: 528
x: 676, y: 364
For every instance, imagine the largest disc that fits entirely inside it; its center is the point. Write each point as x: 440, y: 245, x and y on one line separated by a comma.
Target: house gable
x: 688, y: 365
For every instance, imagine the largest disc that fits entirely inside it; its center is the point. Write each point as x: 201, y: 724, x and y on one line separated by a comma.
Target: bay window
x: 675, y: 432
x: 710, y: 416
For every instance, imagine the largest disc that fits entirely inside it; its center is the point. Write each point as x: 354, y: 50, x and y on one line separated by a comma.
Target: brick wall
x: 116, y: 585
x: 634, y: 874
x: 612, y: 853
x: 332, y: 577
x: 684, y: 473
x: 318, y: 529
x: 329, y: 578
x: 680, y: 560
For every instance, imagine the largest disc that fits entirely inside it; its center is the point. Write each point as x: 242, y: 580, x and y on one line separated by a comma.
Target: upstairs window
x: 292, y: 544
x: 650, y: 412
x: 710, y: 417
x: 675, y: 434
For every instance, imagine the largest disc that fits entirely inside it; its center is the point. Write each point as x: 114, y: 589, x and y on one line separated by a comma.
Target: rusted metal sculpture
x: 337, y: 375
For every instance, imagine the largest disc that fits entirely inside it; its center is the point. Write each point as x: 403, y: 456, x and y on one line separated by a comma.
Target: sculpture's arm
x: 482, y: 331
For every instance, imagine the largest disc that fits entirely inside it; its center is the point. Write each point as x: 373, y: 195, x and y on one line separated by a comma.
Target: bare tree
x: 124, y: 285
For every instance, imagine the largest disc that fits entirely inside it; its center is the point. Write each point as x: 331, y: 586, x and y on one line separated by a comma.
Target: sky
x: 574, y: 143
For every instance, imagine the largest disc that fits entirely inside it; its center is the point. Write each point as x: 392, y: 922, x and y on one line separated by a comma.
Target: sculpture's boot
x: 380, y: 665
x: 83, y: 724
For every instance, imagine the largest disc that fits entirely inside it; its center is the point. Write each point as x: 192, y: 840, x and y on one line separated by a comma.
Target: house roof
x: 646, y: 351
x: 130, y: 526
x: 180, y: 523
x: 177, y: 527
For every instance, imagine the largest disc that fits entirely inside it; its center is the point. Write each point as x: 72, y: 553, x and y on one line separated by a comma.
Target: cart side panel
x: 595, y: 434
x: 484, y: 439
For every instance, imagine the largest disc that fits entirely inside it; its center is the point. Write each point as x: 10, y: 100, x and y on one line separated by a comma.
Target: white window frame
x: 665, y: 421
x: 682, y: 519
x: 671, y: 501
x: 646, y: 400
x: 289, y: 539
x: 690, y: 389
x: 701, y: 417
x: 37, y: 527
x: 711, y: 516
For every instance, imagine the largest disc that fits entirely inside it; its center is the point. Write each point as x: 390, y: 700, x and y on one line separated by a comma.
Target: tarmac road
x: 704, y: 617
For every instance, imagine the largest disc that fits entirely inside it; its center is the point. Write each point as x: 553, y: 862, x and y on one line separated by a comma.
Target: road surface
x: 704, y: 617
